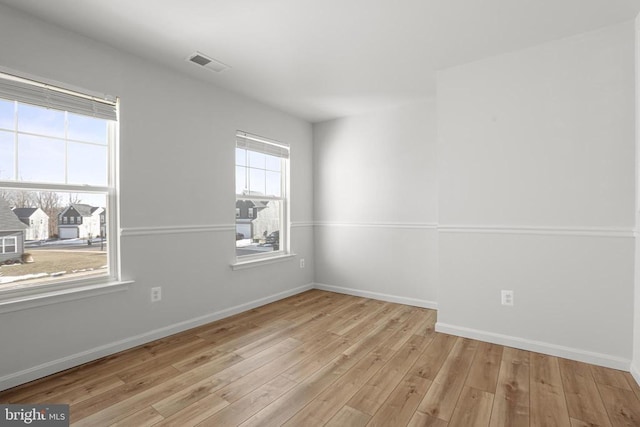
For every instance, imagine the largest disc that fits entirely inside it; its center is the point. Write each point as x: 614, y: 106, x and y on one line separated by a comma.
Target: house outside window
x: 57, y: 147
x: 262, y: 168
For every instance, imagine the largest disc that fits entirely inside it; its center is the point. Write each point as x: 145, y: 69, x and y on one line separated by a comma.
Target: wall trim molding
x: 175, y: 229
x: 623, y: 232
x: 635, y: 373
x: 540, y: 230
x: 594, y: 358
x: 411, y: 225
x: 299, y: 224
x: 89, y: 355
x: 378, y: 296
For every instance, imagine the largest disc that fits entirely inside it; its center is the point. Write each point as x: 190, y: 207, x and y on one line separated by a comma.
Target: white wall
x: 375, y: 204
x: 635, y: 364
x: 177, y: 151
x: 536, y: 195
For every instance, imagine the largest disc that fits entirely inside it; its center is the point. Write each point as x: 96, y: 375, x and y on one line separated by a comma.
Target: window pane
x: 53, y: 243
x: 87, y: 164
x: 7, y: 155
x: 241, y: 157
x: 241, y: 179
x: 257, y: 181
x: 40, y: 159
x: 274, y: 163
x: 7, y: 115
x: 40, y: 120
x: 84, y: 128
x: 10, y: 245
x: 261, y: 233
x: 257, y: 160
x: 274, y: 184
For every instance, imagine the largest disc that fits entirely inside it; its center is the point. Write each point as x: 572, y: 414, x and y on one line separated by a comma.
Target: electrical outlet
x: 156, y: 294
x: 507, y: 297
x: 301, y: 262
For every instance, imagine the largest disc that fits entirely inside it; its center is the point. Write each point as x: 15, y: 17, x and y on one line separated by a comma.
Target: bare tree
x: 22, y: 199
x: 74, y: 198
x: 7, y: 197
x: 17, y: 198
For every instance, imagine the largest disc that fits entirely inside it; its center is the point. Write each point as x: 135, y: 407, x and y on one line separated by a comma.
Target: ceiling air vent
x: 207, y: 62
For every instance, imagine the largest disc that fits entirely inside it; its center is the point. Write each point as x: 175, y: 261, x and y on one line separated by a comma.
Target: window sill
x: 30, y: 298
x: 240, y: 265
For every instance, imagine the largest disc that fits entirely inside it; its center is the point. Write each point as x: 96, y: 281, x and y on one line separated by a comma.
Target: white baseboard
x: 599, y: 359
x: 378, y: 296
x: 635, y: 373
x: 70, y: 361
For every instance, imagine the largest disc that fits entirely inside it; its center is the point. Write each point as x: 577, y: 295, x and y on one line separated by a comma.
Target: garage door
x: 69, y: 233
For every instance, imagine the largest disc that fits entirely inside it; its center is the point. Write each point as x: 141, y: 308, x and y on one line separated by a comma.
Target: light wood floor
x: 321, y: 358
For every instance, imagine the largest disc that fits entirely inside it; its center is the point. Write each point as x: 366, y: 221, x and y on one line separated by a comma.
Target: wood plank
x: 256, y: 378
x: 622, y: 405
x: 442, y: 396
x: 420, y: 419
x: 548, y: 404
x: 581, y: 393
x: 429, y: 364
x: 610, y: 377
x: 633, y: 384
x: 401, y: 404
x: 511, y: 403
x: 286, y: 406
x: 374, y: 393
x: 483, y: 374
x: 348, y: 416
x: 104, y: 401
x: 168, y: 405
x: 245, y: 407
x: 321, y: 409
x: 311, y: 364
x: 473, y: 408
x: 146, y: 417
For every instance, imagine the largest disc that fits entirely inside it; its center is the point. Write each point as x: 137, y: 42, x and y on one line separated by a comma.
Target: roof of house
x: 24, y: 212
x: 8, y: 220
x: 84, y: 210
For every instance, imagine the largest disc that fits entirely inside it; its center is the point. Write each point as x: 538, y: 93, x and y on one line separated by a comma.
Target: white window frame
x: 4, y: 245
x: 283, y: 251
x: 69, y: 289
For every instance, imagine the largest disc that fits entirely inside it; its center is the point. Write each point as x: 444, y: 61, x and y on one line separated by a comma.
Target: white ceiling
x: 327, y: 58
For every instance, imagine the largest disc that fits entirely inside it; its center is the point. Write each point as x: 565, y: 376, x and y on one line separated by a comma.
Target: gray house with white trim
x: 11, y: 234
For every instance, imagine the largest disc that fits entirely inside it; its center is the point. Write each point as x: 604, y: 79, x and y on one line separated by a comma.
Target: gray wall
x: 375, y: 204
x: 536, y: 195
x: 177, y: 141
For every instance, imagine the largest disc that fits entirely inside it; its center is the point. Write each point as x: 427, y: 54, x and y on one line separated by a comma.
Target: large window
x: 57, y: 152
x: 261, y: 197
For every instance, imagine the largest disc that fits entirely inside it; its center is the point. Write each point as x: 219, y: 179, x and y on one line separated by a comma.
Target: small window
x: 72, y: 219
x: 262, y: 166
x: 64, y: 219
x: 79, y: 220
x: 9, y: 245
x: 237, y: 213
